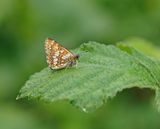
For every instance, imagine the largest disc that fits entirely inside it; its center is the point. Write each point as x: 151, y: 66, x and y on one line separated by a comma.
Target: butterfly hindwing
x: 57, y: 56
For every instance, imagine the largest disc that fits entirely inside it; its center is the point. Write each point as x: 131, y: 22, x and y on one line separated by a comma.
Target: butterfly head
x: 73, y: 61
x: 76, y: 57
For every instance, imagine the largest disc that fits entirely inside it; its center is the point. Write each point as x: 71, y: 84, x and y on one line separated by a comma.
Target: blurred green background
x: 25, y: 24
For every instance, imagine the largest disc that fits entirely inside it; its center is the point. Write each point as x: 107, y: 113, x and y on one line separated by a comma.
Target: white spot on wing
x: 54, y: 57
x: 55, y: 63
x: 61, y: 51
x: 55, y: 60
x: 57, y: 54
x: 63, y: 57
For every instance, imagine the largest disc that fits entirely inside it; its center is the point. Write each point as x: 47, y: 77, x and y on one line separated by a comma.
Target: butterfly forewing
x: 57, y: 56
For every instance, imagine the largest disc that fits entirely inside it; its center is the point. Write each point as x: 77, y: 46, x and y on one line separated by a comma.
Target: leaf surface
x: 102, y: 72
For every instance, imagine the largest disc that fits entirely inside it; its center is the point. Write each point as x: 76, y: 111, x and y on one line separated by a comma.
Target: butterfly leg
x: 67, y: 66
x: 76, y: 63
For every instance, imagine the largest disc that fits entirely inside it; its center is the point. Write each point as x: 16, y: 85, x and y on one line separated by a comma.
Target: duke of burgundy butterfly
x: 57, y: 56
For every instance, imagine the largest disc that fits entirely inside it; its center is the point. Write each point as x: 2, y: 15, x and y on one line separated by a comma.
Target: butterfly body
x: 57, y: 56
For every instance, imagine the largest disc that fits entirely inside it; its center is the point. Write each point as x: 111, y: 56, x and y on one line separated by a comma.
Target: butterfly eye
x: 77, y: 56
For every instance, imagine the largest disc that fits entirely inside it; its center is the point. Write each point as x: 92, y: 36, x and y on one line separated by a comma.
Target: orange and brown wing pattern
x: 57, y: 56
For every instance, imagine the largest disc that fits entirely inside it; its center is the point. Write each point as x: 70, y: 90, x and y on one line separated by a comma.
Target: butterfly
x: 57, y: 56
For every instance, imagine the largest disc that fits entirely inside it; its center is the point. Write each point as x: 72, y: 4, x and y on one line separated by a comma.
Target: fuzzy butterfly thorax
x: 57, y: 56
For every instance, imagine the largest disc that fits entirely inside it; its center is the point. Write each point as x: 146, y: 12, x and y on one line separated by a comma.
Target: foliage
x: 102, y: 72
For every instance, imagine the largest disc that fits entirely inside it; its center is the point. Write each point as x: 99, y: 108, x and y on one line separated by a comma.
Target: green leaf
x: 102, y: 72
x: 144, y: 46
